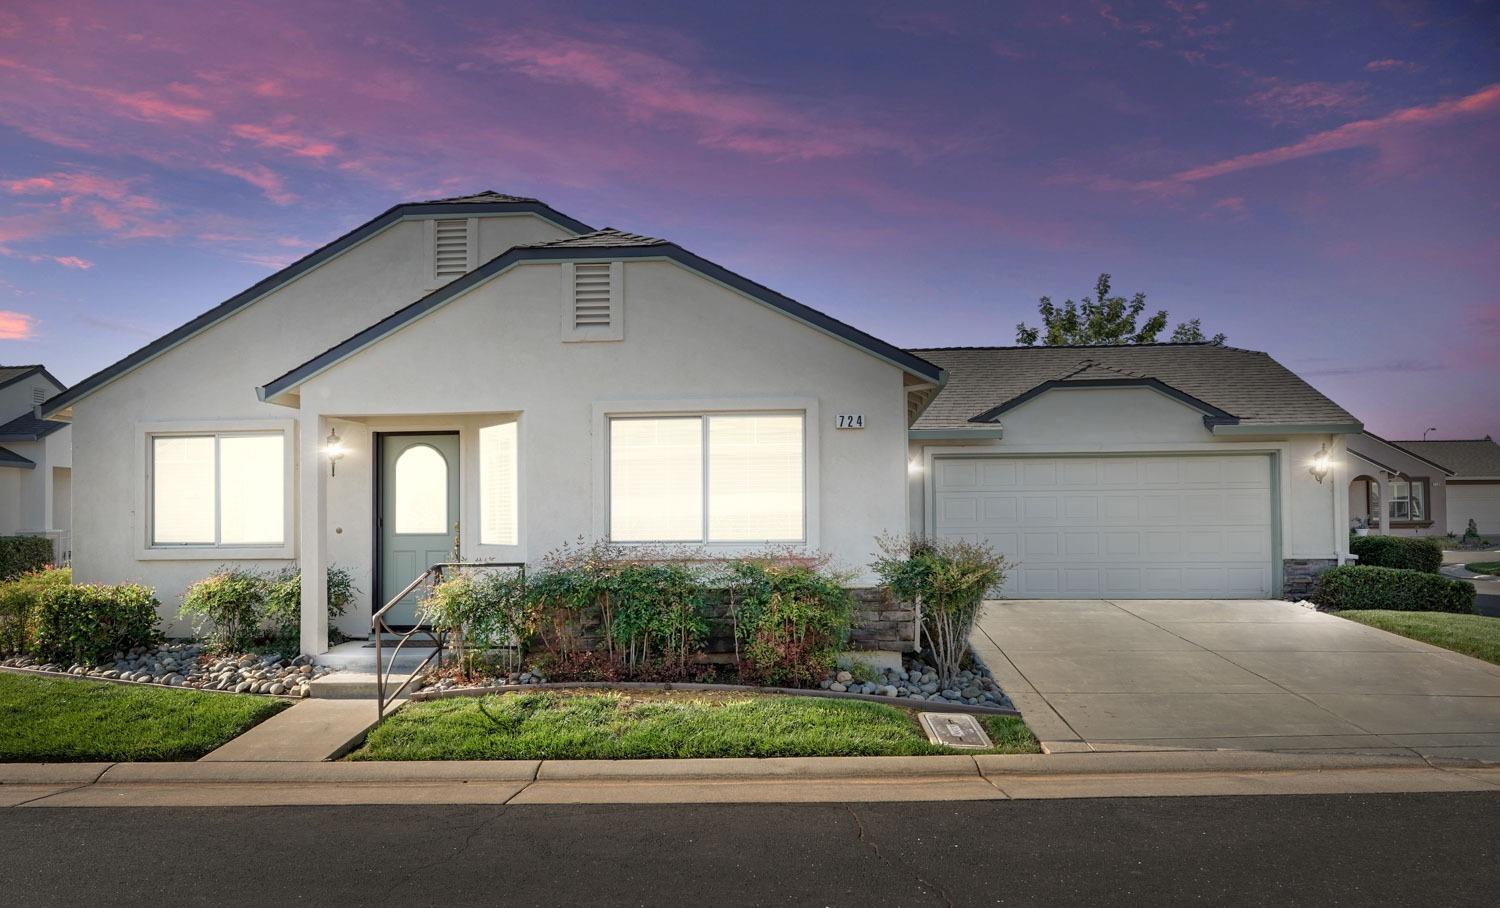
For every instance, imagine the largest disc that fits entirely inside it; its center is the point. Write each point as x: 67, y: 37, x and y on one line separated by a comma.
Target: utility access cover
x: 954, y: 730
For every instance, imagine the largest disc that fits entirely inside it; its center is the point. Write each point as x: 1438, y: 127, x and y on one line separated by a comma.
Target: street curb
x: 731, y: 769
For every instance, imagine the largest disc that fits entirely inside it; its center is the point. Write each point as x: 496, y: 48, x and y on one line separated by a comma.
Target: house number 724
x: 849, y: 421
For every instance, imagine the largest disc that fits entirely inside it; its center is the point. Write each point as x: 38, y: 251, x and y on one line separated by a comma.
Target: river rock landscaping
x: 187, y: 664
x: 916, y: 680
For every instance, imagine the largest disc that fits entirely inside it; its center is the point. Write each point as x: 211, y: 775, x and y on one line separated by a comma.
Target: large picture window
x: 221, y: 490
x: 717, y: 478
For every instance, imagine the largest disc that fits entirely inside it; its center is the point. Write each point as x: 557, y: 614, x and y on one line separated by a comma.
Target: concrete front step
x: 359, y: 656
x: 349, y: 685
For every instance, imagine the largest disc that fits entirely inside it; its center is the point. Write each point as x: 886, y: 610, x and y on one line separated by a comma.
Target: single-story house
x: 1414, y: 488
x: 1473, y: 486
x: 490, y: 374
x: 35, y: 459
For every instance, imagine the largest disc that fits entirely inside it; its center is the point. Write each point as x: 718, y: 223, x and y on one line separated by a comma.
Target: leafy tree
x: 1104, y: 319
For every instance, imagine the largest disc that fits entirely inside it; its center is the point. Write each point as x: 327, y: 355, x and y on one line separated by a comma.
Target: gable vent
x: 450, y: 249
x: 591, y: 295
x: 38, y: 395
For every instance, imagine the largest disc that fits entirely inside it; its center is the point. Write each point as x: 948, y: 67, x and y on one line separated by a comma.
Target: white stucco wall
x: 689, y: 345
x: 211, y: 378
x: 1314, y: 515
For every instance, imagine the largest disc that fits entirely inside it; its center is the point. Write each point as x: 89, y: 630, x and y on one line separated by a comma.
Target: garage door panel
x: 1192, y: 526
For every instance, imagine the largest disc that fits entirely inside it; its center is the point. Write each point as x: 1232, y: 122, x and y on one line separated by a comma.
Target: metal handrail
x: 379, y: 627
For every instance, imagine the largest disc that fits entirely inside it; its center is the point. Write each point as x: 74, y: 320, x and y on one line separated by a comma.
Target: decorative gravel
x: 187, y: 665
x: 916, y: 680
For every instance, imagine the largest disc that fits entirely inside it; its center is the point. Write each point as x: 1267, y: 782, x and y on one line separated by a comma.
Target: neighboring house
x: 490, y: 365
x: 1414, y: 488
x: 1474, y: 484
x: 35, y: 459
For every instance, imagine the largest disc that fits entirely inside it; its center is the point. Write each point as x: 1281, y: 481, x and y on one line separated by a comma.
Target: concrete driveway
x: 1233, y: 674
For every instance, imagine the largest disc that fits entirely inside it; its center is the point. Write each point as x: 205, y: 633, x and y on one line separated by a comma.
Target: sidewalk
x: 787, y: 780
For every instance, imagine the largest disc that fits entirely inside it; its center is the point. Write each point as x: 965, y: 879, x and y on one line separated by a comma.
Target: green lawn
x: 1484, y: 567
x: 558, y: 726
x: 48, y: 720
x: 1472, y: 635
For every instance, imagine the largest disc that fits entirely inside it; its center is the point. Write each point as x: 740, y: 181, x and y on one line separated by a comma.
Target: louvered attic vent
x: 450, y: 249
x: 38, y: 395
x: 591, y: 295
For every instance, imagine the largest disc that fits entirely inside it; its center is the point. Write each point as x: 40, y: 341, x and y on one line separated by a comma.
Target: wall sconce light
x: 334, y: 448
x: 1321, y: 464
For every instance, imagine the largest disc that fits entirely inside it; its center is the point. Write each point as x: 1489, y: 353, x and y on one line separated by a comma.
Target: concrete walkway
x: 1234, y: 674
x: 310, y: 730
x: 784, y: 780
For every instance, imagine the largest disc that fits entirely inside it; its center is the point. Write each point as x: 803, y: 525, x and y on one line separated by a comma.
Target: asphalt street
x: 1386, y: 849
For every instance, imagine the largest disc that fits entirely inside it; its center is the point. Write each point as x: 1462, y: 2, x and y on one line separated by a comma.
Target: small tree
x: 950, y: 578
x: 1104, y: 319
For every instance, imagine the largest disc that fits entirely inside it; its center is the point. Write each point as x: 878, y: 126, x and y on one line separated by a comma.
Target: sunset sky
x: 1319, y: 181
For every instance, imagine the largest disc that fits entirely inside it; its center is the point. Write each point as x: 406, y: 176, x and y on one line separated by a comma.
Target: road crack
x: 859, y: 830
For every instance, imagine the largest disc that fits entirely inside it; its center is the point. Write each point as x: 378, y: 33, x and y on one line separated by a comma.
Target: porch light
x: 914, y: 467
x: 334, y: 448
x: 1321, y: 463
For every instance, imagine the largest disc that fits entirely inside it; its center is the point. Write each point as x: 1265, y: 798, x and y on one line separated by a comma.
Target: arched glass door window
x: 421, y: 491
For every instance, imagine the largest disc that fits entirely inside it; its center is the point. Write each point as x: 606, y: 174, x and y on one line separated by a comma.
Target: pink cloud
x: 1387, y: 65
x: 652, y: 88
x: 16, y: 325
x: 1388, y: 131
x: 283, y: 140
x: 1281, y: 102
x: 259, y: 176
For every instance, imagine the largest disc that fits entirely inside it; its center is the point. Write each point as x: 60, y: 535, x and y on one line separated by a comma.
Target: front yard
x: 47, y: 720
x: 562, y: 726
x: 1472, y: 635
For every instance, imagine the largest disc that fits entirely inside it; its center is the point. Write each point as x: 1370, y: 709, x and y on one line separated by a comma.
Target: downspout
x: 1339, y: 506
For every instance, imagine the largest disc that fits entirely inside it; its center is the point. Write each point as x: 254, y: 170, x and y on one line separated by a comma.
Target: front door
x: 417, y: 521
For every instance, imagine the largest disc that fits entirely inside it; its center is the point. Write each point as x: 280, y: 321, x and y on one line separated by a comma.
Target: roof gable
x: 9, y: 375
x: 488, y: 202
x: 1239, y: 390
x: 615, y: 245
x: 1466, y: 457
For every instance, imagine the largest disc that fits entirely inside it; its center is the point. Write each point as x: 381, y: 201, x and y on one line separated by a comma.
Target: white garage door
x: 1478, y: 502
x: 1128, y: 527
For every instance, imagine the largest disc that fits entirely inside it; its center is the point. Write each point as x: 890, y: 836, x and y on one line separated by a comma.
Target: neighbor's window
x: 1409, y: 500
x: 498, y: 515
x: 722, y: 478
x: 227, y: 489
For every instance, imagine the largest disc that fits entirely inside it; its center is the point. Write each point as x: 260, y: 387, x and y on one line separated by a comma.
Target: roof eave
x: 1281, y: 428
x: 956, y: 434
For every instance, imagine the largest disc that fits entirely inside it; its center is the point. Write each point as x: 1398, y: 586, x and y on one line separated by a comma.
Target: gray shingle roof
x: 9, y: 458
x: 9, y: 372
x: 28, y: 428
x: 1246, y: 384
x: 1465, y: 457
x: 607, y: 238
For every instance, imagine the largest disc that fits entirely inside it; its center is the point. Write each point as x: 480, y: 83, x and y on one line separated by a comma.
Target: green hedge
x: 1412, y: 553
x: 90, y: 624
x: 23, y: 554
x: 18, y: 601
x: 1354, y: 586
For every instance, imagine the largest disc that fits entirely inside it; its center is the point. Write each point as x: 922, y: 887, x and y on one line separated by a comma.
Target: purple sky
x: 1320, y: 181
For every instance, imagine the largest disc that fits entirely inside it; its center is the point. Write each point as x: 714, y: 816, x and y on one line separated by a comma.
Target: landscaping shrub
x: 237, y: 610
x: 18, y: 601
x: 950, y: 578
x: 23, y: 555
x: 482, y: 612
x: 226, y: 608
x: 1354, y: 586
x: 283, y: 610
x: 648, y: 604
x: 1412, y: 553
x: 791, y: 619
x: 91, y: 623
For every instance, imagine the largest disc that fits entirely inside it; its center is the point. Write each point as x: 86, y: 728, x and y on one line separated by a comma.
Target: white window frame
x: 147, y: 550
x: 807, y: 408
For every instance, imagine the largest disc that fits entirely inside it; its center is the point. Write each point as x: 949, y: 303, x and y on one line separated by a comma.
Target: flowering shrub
x: 950, y: 578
